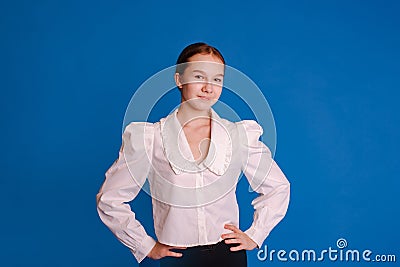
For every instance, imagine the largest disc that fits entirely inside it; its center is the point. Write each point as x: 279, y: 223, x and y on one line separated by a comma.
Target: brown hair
x: 193, y: 49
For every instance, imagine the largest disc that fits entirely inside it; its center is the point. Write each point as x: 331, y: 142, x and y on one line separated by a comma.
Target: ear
x: 178, y: 81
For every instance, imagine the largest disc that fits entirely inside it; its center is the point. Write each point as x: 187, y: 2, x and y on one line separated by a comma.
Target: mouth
x: 204, y: 98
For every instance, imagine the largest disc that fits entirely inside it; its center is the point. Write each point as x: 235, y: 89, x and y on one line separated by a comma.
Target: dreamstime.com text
x: 332, y: 254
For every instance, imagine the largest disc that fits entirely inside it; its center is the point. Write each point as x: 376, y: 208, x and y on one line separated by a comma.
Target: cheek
x: 192, y: 89
x: 186, y: 93
x: 218, y: 91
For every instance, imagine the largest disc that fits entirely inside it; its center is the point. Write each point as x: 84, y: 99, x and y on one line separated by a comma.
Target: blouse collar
x: 177, y: 149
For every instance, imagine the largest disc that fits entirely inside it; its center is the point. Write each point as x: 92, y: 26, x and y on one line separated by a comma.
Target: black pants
x: 217, y: 255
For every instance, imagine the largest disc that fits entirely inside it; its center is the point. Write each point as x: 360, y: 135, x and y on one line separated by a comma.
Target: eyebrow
x: 219, y: 74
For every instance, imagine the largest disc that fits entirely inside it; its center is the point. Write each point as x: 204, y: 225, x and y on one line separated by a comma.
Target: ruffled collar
x: 177, y: 149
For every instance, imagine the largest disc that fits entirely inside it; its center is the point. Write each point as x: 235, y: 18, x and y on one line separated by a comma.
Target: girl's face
x: 202, y: 81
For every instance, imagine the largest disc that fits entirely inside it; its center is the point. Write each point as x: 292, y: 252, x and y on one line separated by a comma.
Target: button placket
x: 201, y: 217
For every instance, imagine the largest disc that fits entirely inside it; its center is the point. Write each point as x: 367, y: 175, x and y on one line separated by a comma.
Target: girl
x: 192, y: 159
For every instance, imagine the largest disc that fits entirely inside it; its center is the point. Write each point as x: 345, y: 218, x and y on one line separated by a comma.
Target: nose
x: 208, y: 87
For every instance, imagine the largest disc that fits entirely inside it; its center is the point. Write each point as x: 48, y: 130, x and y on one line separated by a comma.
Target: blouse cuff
x: 256, y: 236
x: 146, y: 246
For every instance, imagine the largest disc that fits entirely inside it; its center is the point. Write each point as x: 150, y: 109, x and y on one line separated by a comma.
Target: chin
x: 202, y: 106
x: 199, y: 104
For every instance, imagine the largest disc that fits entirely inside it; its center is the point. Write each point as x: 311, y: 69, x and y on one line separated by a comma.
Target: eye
x: 218, y: 80
x: 199, y: 77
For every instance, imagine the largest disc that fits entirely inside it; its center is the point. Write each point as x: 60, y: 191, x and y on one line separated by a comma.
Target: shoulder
x: 249, y: 132
x: 139, y: 135
x: 249, y: 125
x: 249, y: 128
x: 139, y: 128
x: 243, y: 128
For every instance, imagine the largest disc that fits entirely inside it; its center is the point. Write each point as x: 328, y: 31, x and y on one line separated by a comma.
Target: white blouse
x: 191, y: 201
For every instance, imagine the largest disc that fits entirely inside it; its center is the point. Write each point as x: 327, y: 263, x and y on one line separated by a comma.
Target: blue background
x: 329, y: 69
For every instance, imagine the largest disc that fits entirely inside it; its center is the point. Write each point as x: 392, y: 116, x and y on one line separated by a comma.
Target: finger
x: 232, y: 241
x: 179, y: 247
x: 174, y: 254
x: 229, y: 235
x: 236, y: 248
x: 232, y: 227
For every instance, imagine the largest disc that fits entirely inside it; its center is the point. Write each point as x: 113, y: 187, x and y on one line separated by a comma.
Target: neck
x: 188, y: 116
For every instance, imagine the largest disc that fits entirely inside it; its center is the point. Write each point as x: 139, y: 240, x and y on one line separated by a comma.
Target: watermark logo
x: 341, y: 243
x: 342, y: 253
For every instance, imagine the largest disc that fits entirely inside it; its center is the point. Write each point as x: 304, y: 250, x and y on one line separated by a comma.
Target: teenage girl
x: 192, y: 159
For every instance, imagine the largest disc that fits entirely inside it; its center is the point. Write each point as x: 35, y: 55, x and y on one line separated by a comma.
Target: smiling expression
x: 202, y: 81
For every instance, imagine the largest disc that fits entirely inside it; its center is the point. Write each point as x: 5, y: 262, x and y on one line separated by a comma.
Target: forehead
x: 208, y: 64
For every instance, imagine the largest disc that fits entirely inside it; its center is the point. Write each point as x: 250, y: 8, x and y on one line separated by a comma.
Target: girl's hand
x: 238, y: 237
x: 161, y: 250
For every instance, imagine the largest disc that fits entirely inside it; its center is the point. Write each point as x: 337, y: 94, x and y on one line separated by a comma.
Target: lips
x: 204, y: 97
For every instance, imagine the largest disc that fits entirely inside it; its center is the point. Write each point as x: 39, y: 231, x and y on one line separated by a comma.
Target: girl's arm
x: 122, y: 183
x: 267, y: 179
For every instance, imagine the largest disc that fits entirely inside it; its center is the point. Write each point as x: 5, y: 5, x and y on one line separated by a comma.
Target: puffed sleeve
x: 266, y: 178
x: 123, y: 181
